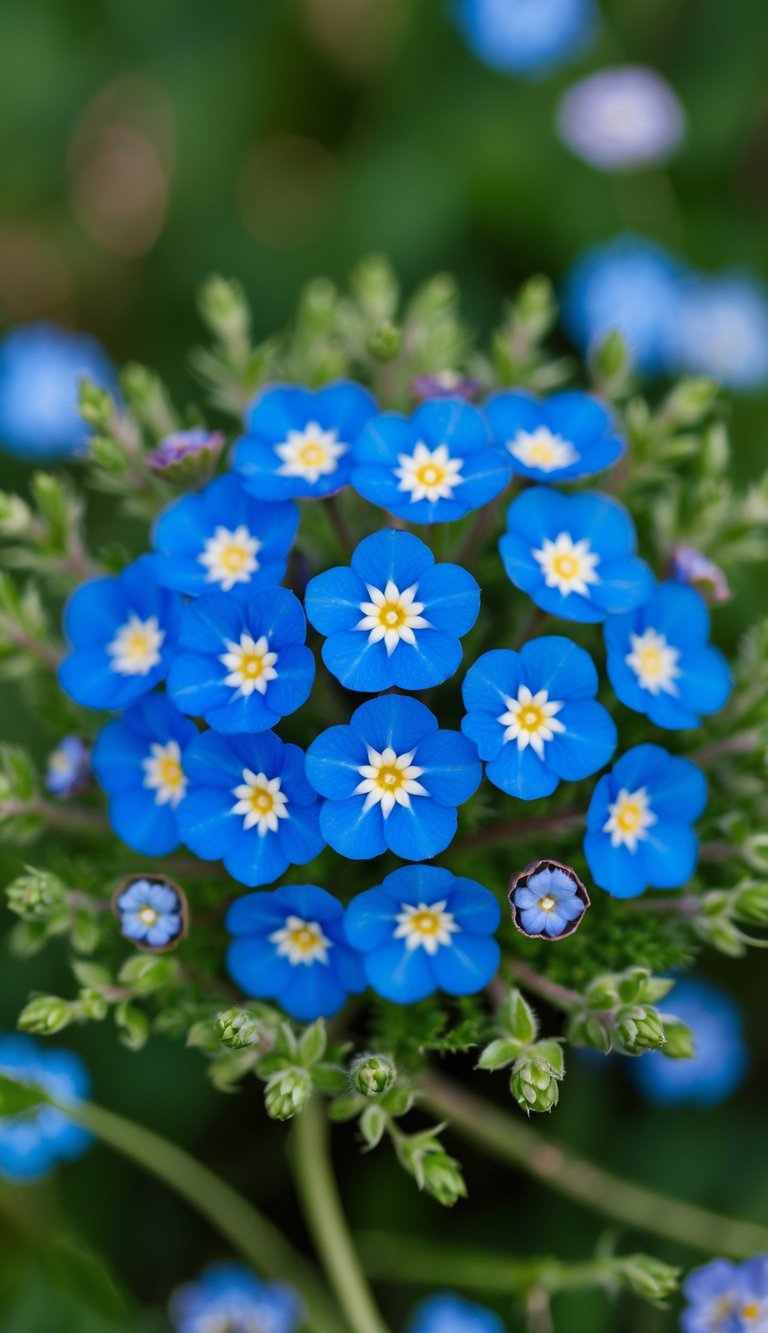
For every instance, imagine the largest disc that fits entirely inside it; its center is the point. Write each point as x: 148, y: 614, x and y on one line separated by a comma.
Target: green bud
x: 689, y: 401
x: 237, y: 1028
x: 145, y: 973
x: 286, y: 1093
x: 96, y: 406
x: 46, y: 1014
x: 679, y: 1044
x: 442, y: 1178
x: 37, y: 895
x: 535, y: 306
x: 647, y: 1277
x: 385, y: 342
x: 224, y: 309
x: 312, y: 1043
x: 372, y: 1075
x: 602, y: 993
x: 133, y: 1025
x: 517, y: 1018
x: 585, y: 1029
x: 373, y: 1123
x: 535, y: 1078
x: 639, y: 1029
x: 750, y: 903
x: 721, y: 933
x: 611, y: 365
x: 93, y: 1005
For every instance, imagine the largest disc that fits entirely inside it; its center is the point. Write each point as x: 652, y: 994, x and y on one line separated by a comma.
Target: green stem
x: 71, y: 818
x: 590, y: 1185
x: 511, y: 830
x: 327, y: 1224
x: 339, y: 524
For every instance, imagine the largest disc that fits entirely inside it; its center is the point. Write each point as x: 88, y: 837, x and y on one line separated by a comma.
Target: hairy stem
x: 562, y: 821
x: 560, y: 996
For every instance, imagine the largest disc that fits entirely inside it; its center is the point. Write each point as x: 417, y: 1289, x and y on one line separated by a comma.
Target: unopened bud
x: 286, y: 1093
x: 46, y: 1014
x: 373, y: 1075
x: 534, y: 1084
x: 647, y: 1277
x: 679, y: 1044
x: 442, y: 1178
x: 385, y: 342
x: 37, y: 896
x: 237, y: 1028
x: 751, y: 904
x: 639, y: 1029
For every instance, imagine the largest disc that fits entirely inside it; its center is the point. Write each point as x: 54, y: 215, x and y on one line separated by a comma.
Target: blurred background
x: 146, y: 145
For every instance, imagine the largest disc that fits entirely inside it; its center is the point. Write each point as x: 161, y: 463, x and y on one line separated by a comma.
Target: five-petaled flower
x: 534, y: 718
x: 122, y: 632
x: 548, y: 900
x: 561, y: 438
x: 423, y: 929
x: 290, y: 946
x: 394, y: 617
x: 433, y: 467
x: 249, y: 805
x: 152, y: 912
x: 242, y: 665
x: 574, y: 554
x: 299, y: 442
x: 727, y: 1298
x: 32, y: 1143
x: 391, y: 779
x: 639, y: 832
x: 660, y: 661
x: 229, y: 1297
x: 138, y: 761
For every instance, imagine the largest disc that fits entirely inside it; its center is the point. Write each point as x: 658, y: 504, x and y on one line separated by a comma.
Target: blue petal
x: 399, y: 974
x: 399, y: 556
x: 369, y: 920
x: 615, y: 869
x: 196, y: 684
x: 452, y: 770
x: 256, y: 967
x: 212, y: 760
x: 493, y: 678
x: 94, y: 612
x: 117, y: 757
x: 393, y: 720
x: 311, y: 902
x: 586, y: 745
x: 333, y: 762
x: 421, y: 832
x: 313, y: 991
x: 681, y: 789
x: 624, y: 584
x: 142, y: 824
x: 433, y: 659
x: 358, y: 664
x: 475, y: 909
x: 332, y: 600
x: 467, y: 964
x: 254, y: 860
x: 453, y: 422
x: 519, y: 564
x: 485, y: 732
x: 521, y: 773
x: 679, y: 613
x: 560, y: 667
x: 705, y: 681
x: 350, y: 832
x: 578, y: 417
x: 451, y: 598
x: 256, y: 914
x: 299, y: 836
x: 671, y: 852
x: 241, y: 716
x: 206, y: 823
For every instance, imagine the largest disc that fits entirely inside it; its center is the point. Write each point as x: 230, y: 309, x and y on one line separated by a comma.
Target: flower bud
x: 585, y: 1029
x: 95, y: 405
x: 286, y: 1093
x: 647, y: 1277
x: 442, y: 1178
x: 37, y: 896
x: 373, y: 1075
x: 751, y: 903
x: 224, y: 309
x: 385, y: 342
x: 46, y: 1014
x: 187, y: 458
x: 639, y: 1029
x: 534, y: 1084
x: 237, y: 1028
x: 679, y: 1044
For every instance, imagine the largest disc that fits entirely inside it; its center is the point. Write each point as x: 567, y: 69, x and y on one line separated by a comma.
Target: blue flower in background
x: 391, y: 779
x: 249, y: 805
x: 151, y: 912
x: 231, y: 1297
x: 122, y: 633
x: 433, y: 467
x: 423, y: 930
x: 548, y: 902
x: 621, y: 118
x: 688, y: 565
x: 752, y: 1295
x: 68, y: 767
x: 629, y: 286
x: 528, y: 37
x: 299, y: 442
x: 242, y: 665
x: 574, y: 554
x: 660, y: 661
x: 719, y: 1063
x: 35, y: 1141
x: 561, y: 438
x: 713, y: 1294
x: 41, y: 369
x: 722, y: 330
x: 534, y: 717
x: 290, y: 947
x: 395, y: 617
x: 447, y: 1313
x: 639, y: 832
x: 222, y: 540
x: 138, y: 761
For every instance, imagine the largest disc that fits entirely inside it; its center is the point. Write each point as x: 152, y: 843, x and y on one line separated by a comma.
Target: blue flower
x: 432, y: 467
x: 229, y: 1296
x: 722, y: 331
x: 574, y: 554
x: 41, y: 369
x: 529, y: 37
x: 290, y: 947
x: 152, y: 912
x: 621, y: 118
x: 547, y: 900
x: 222, y: 540
x: 138, y: 761
x: 719, y: 1062
x: 391, y: 779
x: 68, y: 767
x: 299, y: 442
x: 660, y: 662
x: 713, y: 1295
x: 688, y: 565
x: 752, y: 1295
x: 242, y: 665
x: 395, y: 617
x: 534, y: 717
x: 122, y: 633
x: 34, y: 1142
x: 639, y: 821
x: 249, y: 805
x: 422, y: 930
x: 630, y: 286
x: 446, y: 1313
x: 561, y: 438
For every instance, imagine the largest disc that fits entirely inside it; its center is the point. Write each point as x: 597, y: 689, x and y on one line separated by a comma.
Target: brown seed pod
x: 181, y: 909
x: 520, y: 881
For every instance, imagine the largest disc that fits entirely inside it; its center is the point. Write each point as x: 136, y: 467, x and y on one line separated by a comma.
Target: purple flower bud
x: 688, y: 565
x: 68, y: 769
x: 445, y: 384
x: 187, y: 453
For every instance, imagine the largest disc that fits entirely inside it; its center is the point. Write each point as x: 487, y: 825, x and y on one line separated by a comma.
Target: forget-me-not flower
x: 717, y: 1295
x: 33, y: 1142
x: 41, y: 370
x: 561, y: 438
x: 547, y: 900
x: 151, y: 911
x: 528, y: 37
x: 228, y: 1298
x: 68, y: 767
x: 621, y: 118
x: 722, y: 330
x: 719, y: 1062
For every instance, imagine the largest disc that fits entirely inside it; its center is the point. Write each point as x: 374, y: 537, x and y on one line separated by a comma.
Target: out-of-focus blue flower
x: 138, y: 761
x: 688, y: 565
x: 561, y: 438
x: 447, y: 1313
x: 222, y: 540
x: 35, y: 1141
x: 445, y: 384
x: 433, y: 467
x: 230, y: 1297
x: 182, y: 445
x: 391, y: 779
x: 752, y: 1295
x: 720, y: 1060
x: 290, y: 947
x: 639, y: 832
x: 574, y: 554
x: 534, y: 717
x: 529, y: 37
x: 41, y: 369
x: 242, y: 665
x: 395, y: 617
x: 423, y: 930
x: 122, y: 633
x: 151, y: 912
x: 713, y: 1295
x: 629, y: 286
x: 300, y: 442
x: 621, y: 118
x: 68, y: 767
x: 722, y: 330
x: 548, y: 902
x: 660, y: 661
x: 249, y: 805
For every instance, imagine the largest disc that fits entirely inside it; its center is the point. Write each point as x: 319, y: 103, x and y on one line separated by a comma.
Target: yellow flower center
x: 392, y: 615
x: 233, y: 557
x: 564, y: 566
x: 262, y: 801
x: 390, y: 778
x: 148, y: 916
x: 430, y: 475
x: 532, y: 718
x: 169, y: 772
x: 750, y: 1311
x: 252, y: 664
x: 547, y: 903
x: 650, y: 662
x: 628, y: 816
x: 312, y: 454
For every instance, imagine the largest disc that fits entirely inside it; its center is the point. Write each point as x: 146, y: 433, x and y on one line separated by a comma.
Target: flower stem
x: 323, y: 1212
x: 557, y: 995
x: 71, y: 818
x: 338, y: 522
x: 593, y: 1187
x: 511, y: 830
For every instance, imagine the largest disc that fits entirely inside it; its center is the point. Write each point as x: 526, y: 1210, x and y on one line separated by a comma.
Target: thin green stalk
x: 316, y: 1185
x: 622, y: 1200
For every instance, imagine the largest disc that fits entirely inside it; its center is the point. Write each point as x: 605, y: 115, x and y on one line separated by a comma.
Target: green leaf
x: 312, y: 1044
x: 517, y: 1018
x: 499, y: 1053
x: 16, y: 1098
x: 373, y: 1123
x: 78, y: 1271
